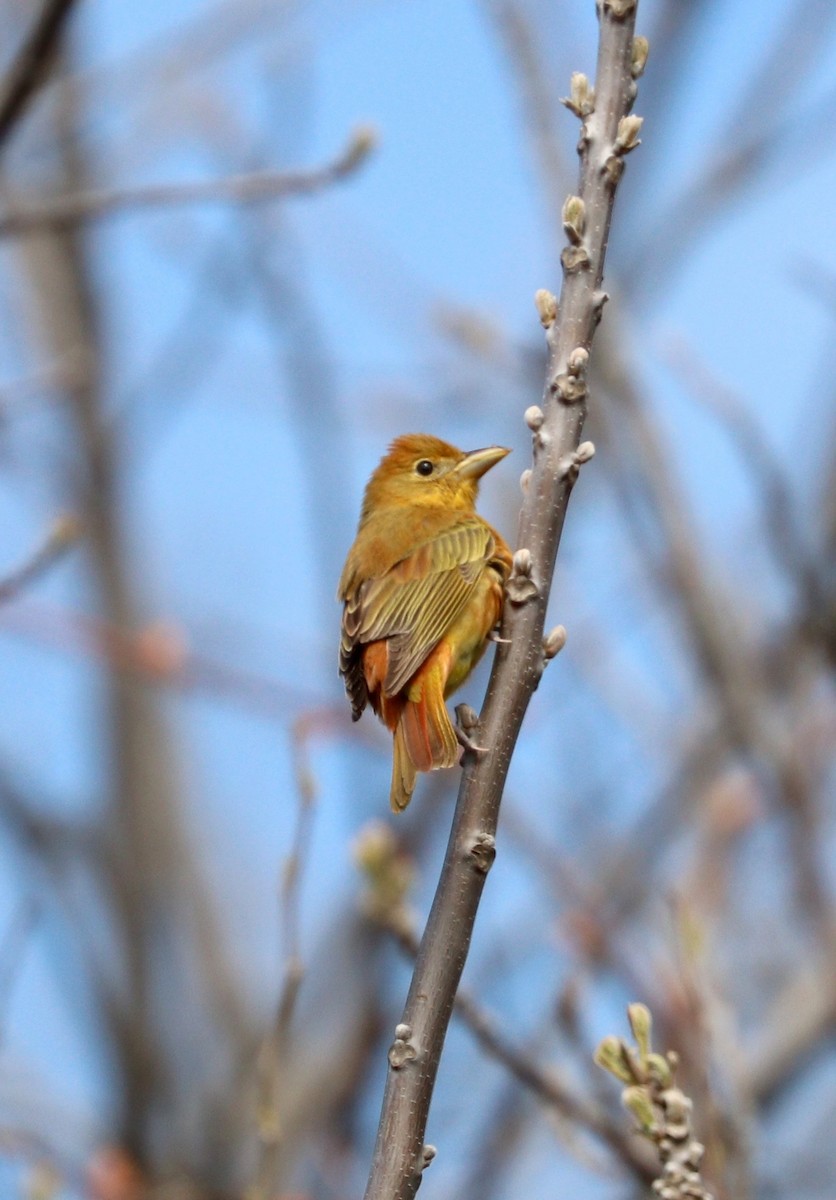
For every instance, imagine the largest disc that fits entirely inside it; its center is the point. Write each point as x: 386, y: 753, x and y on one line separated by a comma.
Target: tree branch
x: 251, y: 188
x: 608, y: 133
x: 63, y: 532
x: 27, y: 70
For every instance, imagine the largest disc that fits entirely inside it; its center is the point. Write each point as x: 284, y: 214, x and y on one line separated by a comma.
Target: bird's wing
x: 415, y: 602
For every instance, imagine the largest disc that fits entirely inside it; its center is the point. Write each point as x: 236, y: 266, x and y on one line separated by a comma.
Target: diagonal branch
x: 608, y: 133
x: 27, y: 71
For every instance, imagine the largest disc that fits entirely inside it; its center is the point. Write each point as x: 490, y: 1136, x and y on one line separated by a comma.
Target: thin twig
x: 63, y: 532
x: 15, y: 941
x: 607, y: 134
x: 255, y: 187
x: 274, y: 1049
x: 27, y: 71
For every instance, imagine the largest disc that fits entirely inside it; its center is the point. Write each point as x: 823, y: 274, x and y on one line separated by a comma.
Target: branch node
x: 428, y: 1153
x: 546, y: 303
x: 599, y: 299
x: 619, y: 9
x: 581, y: 98
x: 402, y: 1050
x: 614, y: 168
x: 570, y: 466
x: 483, y: 852
x: 575, y: 258
x: 467, y: 723
x: 570, y: 388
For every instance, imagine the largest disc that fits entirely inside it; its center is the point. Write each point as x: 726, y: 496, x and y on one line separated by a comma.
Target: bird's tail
x: 424, y: 739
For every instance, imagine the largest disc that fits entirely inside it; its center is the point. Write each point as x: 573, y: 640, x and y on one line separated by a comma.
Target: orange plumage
x: 422, y: 588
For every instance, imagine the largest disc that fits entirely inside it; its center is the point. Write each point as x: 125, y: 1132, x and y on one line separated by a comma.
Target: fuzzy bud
x: 627, y: 137
x: 638, y: 56
x: 581, y: 98
x: 546, y: 304
x: 576, y: 364
x: 641, y: 1023
x: 534, y: 417
x: 638, y: 1102
x: 574, y: 219
x: 522, y: 561
x: 525, y: 480
x: 611, y: 1056
x: 553, y: 642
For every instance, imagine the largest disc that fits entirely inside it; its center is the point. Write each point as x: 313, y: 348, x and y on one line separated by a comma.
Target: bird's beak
x: 477, y: 462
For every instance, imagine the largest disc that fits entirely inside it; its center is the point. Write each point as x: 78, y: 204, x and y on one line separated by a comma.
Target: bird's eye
x: 424, y: 467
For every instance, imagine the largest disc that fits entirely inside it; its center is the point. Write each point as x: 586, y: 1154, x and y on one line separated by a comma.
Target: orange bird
x: 422, y: 588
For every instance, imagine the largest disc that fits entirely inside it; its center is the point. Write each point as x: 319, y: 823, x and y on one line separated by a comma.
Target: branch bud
x: 553, y: 642
x: 627, y: 137
x: 638, y: 56
x: 584, y: 453
x: 525, y: 480
x: 611, y: 1056
x: 619, y: 8
x: 546, y: 304
x: 364, y: 140
x: 522, y: 561
x: 581, y: 98
x: 521, y: 588
x: 576, y: 364
x: 534, y: 417
x: 66, y: 529
x: 641, y: 1023
x: 637, y: 1101
x: 574, y: 218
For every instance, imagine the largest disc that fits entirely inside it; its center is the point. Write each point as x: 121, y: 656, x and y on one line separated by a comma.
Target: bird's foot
x: 493, y: 636
x: 467, y: 721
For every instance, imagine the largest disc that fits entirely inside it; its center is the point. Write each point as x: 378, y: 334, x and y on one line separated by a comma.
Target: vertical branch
x: 607, y: 134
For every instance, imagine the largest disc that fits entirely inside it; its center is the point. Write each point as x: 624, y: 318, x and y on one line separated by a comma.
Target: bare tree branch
x: 60, y: 536
x: 608, y: 133
x: 27, y: 70
x: 255, y: 187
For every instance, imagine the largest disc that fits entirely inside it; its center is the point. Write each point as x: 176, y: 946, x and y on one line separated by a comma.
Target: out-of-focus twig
x: 256, y: 187
x: 61, y: 535
x: 12, y: 946
x: 27, y: 70
x: 273, y: 1052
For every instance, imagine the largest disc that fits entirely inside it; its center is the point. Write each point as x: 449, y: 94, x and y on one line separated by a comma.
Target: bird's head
x: 422, y: 470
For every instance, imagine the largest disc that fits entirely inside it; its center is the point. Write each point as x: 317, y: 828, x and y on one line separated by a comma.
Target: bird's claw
x: 466, y: 722
x: 493, y: 636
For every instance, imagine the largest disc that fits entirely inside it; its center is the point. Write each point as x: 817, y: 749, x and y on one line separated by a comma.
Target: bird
x: 422, y: 590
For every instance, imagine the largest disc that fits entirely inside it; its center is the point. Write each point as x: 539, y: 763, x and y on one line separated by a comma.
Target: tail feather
x: 428, y: 733
x: 424, y: 741
x: 403, y: 773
